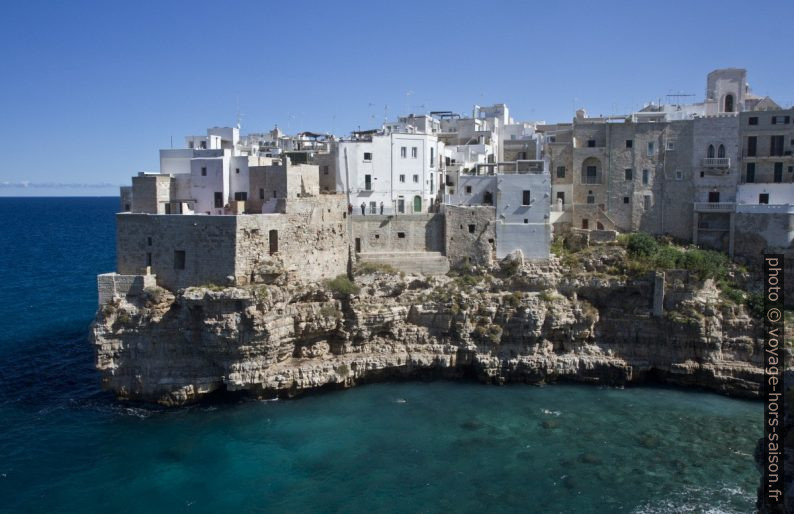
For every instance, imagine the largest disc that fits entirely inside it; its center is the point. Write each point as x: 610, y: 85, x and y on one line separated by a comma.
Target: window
x: 560, y: 171
x: 204, y: 145
x: 148, y: 258
x: 525, y: 197
x: 416, y: 179
x: 778, y: 172
x: 149, y: 241
x: 590, y: 198
x: 775, y: 145
x: 526, y: 221
x: 625, y: 199
x: 710, y: 152
x: 241, y: 196
x: 714, y: 196
x: 721, y: 151
x: 650, y: 148
x: 646, y: 202
x: 679, y: 175
x: 179, y: 259
x: 585, y: 223
x: 752, y: 142
x: 402, y: 178
x: 487, y: 198
x: 432, y: 182
x: 774, y: 120
x: 413, y: 152
x: 629, y: 143
x: 561, y: 197
x: 168, y: 208
x: 472, y: 228
x: 645, y: 176
x: 728, y: 103
x: 274, y: 193
x: 272, y: 239
x: 432, y: 157
x: 401, y: 235
x: 591, y: 175
x: 753, y: 120
x: 367, y: 157
x: 671, y: 145
x: 763, y: 198
x: 203, y: 171
x: 403, y: 152
x: 373, y: 207
x: 190, y: 144
x: 750, y: 176
x: 367, y: 182
x: 261, y: 194
x: 591, y: 143
x: 237, y: 170
x: 468, y: 190
x: 218, y: 200
x: 629, y: 174
x: 325, y: 170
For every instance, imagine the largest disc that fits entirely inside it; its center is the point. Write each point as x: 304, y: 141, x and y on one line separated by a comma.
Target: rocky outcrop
x: 532, y: 323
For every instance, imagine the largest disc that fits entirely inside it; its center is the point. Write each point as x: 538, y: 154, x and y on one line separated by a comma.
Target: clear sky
x: 91, y: 90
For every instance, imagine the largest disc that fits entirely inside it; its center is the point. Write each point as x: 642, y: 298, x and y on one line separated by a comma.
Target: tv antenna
x: 677, y: 96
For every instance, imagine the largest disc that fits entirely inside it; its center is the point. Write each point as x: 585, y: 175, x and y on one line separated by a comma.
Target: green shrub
x: 342, y: 285
x: 705, y: 263
x: 755, y: 304
x: 366, y: 267
x: 640, y: 244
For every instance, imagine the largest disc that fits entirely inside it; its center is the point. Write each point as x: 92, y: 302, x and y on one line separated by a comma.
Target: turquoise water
x: 429, y: 447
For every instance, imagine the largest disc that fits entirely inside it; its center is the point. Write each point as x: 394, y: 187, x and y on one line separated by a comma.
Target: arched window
x: 710, y: 154
x: 728, y: 103
x: 721, y: 152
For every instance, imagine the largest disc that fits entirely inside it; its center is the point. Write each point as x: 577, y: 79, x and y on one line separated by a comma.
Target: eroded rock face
x: 535, y: 324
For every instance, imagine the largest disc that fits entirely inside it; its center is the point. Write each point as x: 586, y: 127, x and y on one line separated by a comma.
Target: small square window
x: 591, y: 143
x: 402, y: 178
x: 752, y: 120
x: 237, y: 170
x: 325, y: 170
x: 679, y: 175
x: 468, y: 190
x: 628, y: 173
x: 671, y: 145
x: 401, y: 235
x: 203, y: 171
x: 629, y: 143
x: 367, y: 157
x: 763, y: 198
x: 472, y: 228
x: 560, y: 171
x: 625, y: 199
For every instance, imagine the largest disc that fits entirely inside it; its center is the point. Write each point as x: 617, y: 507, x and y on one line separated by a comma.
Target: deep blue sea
x: 65, y: 446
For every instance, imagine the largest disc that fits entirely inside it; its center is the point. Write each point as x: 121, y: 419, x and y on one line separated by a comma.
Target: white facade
x: 775, y: 194
x: 400, y: 171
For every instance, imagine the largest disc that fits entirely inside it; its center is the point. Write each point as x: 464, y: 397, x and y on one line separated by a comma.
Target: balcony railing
x: 717, y: 162
x: 715, y: 206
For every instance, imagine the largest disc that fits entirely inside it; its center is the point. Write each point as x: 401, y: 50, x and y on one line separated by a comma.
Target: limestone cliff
x: 521, y: 323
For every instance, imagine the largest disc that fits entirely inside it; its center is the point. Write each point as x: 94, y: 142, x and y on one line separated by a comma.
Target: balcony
x: 716, y: 162
x: 715, y: 206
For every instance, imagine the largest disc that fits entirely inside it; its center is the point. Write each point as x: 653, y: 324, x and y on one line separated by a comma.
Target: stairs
x: 425, y: 263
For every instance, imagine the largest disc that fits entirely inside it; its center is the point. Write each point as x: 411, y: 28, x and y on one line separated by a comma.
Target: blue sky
x: 91, y: 90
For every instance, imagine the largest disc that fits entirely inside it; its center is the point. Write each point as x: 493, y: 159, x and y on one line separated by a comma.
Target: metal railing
x: 716, y: 162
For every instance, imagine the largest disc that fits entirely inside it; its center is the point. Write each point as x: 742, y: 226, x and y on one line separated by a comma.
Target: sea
x: 67, y: 446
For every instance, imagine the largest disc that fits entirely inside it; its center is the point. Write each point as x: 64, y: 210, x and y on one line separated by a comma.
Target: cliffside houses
x: 432, y: 189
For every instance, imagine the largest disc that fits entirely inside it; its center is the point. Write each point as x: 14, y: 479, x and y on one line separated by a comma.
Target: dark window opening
x: 645, y: 176
x: 358, y: 245
x: 750, y: 177
x: 629, y: 143
x: 148, y: 258
x: 763, y: 198
x: 149, y: 241
x: 752, y: 143
x: 729, y: 103
x: 400, y: 235
x: 721, y: 152
x: 468, y: 190
x: 625, y: 199
x: 488, y: 198
x: 629, y: 174
x: 218, y: 200
x: 599, y: 225
x: 752, y: 120
x: 560, y: 171
x: 778, y: 172
x: 585, y: 224
x: 168, y: 208
x: 714, y: 196
x: 203, y: 171
x: 241, y: 196
x: 710, y: 152
x: 179, y: 259
x: 591, y: 143
x: 561, y: 196
x: 274, y: 193
x: 368, y: 182
x: 776, y: 145
x: 272, y: 237
x: 525, y: 197
x: 472, y: 228
x: 526, y: 221
x: 237, y: 170
x: 261, y: 194
x: 367, y: 156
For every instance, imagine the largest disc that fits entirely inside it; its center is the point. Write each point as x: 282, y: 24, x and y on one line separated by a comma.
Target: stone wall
x: 755, y: 232
x: 399, y: 233
x: 208, y: 243
x: 113, y: 285
x: 470, y: 234
x: 309, y: 242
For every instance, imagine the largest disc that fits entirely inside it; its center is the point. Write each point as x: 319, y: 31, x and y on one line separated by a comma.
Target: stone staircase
x: 426, y: 263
